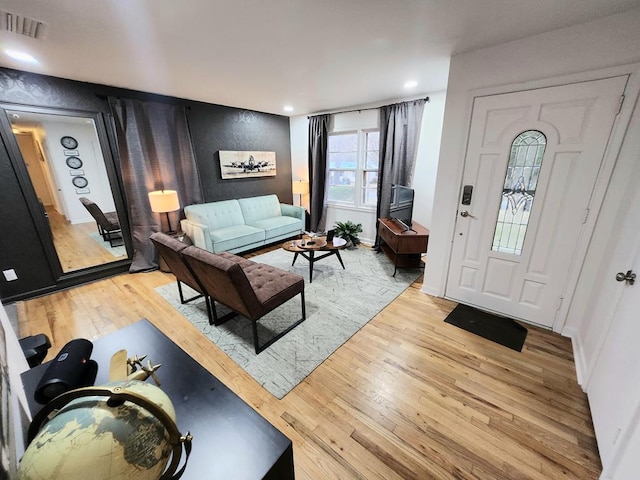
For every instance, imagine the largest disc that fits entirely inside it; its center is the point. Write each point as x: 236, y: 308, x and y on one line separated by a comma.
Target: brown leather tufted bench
x: 170, y: 250
x: 248, y: 288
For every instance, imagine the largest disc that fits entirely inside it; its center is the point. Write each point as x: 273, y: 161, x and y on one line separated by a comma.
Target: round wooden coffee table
x: 307, y: 248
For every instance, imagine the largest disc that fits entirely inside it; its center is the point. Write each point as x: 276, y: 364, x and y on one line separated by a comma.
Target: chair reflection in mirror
x: 108, y: 223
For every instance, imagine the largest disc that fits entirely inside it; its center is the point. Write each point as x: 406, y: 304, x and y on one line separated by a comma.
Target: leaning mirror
x: 66, y: 167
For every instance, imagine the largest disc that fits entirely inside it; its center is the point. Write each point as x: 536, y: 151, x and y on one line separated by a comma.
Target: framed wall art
x: 240, y: 164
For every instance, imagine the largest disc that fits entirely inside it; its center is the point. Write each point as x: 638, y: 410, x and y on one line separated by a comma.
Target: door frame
x: 602, y: 185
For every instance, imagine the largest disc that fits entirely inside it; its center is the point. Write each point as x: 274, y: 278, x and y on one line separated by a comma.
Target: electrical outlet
x: 10, y: 275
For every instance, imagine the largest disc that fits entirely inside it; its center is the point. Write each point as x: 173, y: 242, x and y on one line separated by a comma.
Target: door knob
x: 628, y: 277
x: 465, y: 214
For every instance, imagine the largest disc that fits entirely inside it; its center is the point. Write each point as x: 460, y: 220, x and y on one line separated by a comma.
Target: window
x: 519, y: 191
x: 352, y: 174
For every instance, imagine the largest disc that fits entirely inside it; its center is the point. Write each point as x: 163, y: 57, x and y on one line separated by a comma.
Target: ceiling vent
x: 21, y: 25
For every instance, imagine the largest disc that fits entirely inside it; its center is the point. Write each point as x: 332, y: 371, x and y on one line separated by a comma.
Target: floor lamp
x: 164, y: 201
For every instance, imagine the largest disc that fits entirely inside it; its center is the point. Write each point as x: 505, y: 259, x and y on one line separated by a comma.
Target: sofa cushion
x: 278, y: 226
x: 216, y: 215
x: 231, y: 225
x: 229, y: 238
x: 259, y: 208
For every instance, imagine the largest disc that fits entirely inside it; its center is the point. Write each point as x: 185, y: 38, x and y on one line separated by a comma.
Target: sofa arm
x: 295, y: 212
x: 198, y: 233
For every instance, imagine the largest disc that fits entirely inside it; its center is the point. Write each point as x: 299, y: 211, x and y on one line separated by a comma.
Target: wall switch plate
x: 10, y: 275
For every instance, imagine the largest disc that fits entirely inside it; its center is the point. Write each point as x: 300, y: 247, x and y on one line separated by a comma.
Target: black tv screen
x: 401, y: 207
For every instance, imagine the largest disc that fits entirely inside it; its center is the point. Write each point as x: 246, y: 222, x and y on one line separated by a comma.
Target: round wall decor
x: 73, y: 162
x: 80, y: 182
x: 68, y: 142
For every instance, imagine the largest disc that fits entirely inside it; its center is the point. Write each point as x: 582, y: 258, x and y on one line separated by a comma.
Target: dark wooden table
x: 230, y: 439
x: 307, y: 247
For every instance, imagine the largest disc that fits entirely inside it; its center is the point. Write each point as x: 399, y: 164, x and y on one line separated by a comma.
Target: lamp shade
x: 301, y: 187
x: 163, y: 201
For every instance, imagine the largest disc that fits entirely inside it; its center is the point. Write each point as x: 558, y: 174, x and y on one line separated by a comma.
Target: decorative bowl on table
x: 339, y: 241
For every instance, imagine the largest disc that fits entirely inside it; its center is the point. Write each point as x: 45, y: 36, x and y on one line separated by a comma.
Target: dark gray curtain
x: 399, y: 135
x: 155, y: 153
x: 318, y: 135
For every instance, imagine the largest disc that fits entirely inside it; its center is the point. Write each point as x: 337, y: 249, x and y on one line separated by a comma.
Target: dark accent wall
x: 213, y: 128
x: 225, y: 128
x: 20, y: 246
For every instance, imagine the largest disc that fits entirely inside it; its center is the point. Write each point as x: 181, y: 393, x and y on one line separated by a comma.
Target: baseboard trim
x: 430, y: 291
x: 578, y: 354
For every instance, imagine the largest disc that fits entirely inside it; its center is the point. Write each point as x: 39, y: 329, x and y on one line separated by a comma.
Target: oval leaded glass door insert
x: 519, y: 192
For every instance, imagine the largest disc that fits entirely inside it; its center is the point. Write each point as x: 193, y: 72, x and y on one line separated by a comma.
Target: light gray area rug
x: 119, y: 251
x: 339, y: 302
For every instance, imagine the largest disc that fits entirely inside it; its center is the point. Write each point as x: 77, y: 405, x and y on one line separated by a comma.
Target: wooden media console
x: 403, y: 246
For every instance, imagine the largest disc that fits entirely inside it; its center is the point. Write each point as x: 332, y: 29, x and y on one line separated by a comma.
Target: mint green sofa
x: 240, y: 225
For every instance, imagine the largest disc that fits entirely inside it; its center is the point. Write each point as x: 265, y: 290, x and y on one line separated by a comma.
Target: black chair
x: 35, y: 348
x: 108, y: 223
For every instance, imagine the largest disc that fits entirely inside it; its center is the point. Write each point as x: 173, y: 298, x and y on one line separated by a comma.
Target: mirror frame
x: 38, y: 216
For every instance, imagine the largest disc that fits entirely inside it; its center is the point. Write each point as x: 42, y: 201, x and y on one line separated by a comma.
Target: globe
x: 89, y: 439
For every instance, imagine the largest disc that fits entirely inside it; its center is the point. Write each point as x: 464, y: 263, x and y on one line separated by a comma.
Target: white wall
x: 517, y: 65
x: 93, y: 167
x: 299, y: 137
x: 425, y: 170
x: 424, y: 180
x: 13, y: 364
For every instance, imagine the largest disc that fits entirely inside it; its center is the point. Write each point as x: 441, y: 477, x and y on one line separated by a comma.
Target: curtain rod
x: 359, y: 109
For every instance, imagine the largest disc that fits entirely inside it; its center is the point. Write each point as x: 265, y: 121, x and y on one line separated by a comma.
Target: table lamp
x: 164, y: 201
x: 301, y: 187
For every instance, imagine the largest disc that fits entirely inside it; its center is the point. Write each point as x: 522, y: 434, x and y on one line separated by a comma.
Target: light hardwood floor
x: 75, y: 248
x: 407, y: 397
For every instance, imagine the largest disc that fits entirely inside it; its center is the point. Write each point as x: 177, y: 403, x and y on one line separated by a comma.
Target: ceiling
x: 314, y: 55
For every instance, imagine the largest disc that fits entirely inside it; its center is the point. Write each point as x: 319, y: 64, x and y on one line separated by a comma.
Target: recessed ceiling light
x: 23, y: 57
x: 288, y: 108
x: 410, y: 84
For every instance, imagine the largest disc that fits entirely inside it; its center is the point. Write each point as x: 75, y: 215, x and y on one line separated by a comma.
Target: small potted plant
x: 349, y: 231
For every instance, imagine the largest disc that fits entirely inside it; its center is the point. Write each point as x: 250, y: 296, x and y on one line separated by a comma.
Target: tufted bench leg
x: 259, y: 348
x: 220, y: 320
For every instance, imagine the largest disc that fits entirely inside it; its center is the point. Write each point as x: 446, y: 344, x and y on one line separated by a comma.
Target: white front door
x: 613, y: 369
x: 614, y: 387
x: 532, y: 161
